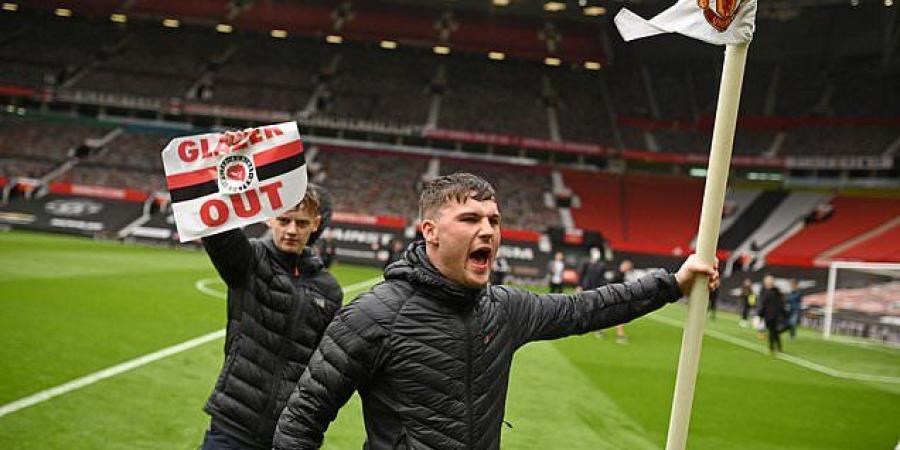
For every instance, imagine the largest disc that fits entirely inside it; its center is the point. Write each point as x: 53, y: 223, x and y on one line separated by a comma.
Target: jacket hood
x: 326, y: 210
x: 415, y: 268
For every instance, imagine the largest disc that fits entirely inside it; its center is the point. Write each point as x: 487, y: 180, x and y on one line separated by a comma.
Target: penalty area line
x: 78, y: 383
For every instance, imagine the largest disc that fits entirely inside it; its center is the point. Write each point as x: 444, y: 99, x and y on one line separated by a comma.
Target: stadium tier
x: 841, y: 140
x: 371, y: 183
x: 582, y: 108
x: 55, y: 42
x: 135, y: 150
x: 661, y: 212
x: 645, y: 106
x: 750, y: 211
x: 851, y: 219
x: 600, y: 197
x: 749, y: 142
x: 630, y: 210
x: 877, y: 248
x: 410, y: 86
x: 627, y: 209
x: 491, y: 97
x: 358, y: 89
x: 17, y: 167
x: 54, y: 141
x: 91, y: 175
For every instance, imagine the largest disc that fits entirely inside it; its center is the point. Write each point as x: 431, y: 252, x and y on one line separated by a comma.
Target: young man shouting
x: 430, y: 349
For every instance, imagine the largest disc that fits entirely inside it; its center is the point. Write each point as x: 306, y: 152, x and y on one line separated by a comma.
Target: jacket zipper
x: 469, y: 402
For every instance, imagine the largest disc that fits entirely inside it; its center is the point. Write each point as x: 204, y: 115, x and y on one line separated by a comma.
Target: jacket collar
x: 306, y: 263
x: 415, y: 268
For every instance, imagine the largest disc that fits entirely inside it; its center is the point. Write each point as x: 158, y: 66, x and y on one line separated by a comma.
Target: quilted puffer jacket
x: 431, y: 359
x: 279, y: 305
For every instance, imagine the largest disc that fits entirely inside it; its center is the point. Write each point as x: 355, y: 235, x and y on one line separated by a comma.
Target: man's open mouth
x: 481, y: 257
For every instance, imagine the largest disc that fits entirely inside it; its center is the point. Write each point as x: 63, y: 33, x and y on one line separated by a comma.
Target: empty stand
x: 43, y: 140
x: 644, y: 213
x: 750, y: 219
x: 662, y: 212
x: 98, y: 175
x: 494, y: 97
x: 136, y: 150
x: 374, y: 183
x: 838, y: 141
x: 16, y: 167
x: 780, y: 221
x: 881, y: 247
x: 851, y: 217
x: 267, y: 73
x: 736, y: 203
x: 359, y: 90
x: 582, y: 108
x: 601, y: 203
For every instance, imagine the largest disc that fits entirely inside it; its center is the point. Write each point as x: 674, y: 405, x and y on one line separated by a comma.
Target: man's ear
x: 269, y: 222
x: 429, y: 231
x: 317, y: 222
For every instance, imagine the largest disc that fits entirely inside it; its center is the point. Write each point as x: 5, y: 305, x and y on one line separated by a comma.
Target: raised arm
x: 551, y: 316
x: 349, y: 353
x: 231, y: 254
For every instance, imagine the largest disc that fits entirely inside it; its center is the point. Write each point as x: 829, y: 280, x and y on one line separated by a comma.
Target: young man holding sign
x: 280, y: 299
x: 430, y: 349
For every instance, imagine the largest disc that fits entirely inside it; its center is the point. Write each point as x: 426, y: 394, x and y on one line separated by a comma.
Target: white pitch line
x: 202, y: 285
x: 108, y: 372
x: 789, y: 358
x: 92, y: 378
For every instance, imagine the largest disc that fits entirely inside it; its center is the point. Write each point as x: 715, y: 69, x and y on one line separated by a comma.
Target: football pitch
x: 100, y: 313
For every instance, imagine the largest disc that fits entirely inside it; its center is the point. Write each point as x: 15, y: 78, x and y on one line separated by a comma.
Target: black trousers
x: 215, y: 439
x: 774, y: 336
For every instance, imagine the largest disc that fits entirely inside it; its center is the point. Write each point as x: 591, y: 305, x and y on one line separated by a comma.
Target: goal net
x: 862, y: 300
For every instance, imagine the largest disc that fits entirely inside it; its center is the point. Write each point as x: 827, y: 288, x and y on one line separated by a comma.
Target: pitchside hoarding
x: 71, y: 214
x: 160, y: 227
x: 362, y: 239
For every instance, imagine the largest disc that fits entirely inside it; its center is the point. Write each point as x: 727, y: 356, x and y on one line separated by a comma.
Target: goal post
x: 890, y: 270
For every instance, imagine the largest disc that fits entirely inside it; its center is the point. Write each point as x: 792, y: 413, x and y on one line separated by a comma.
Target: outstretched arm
x: 346, y: 357
x: 231, y: 254
x: 552, y: 316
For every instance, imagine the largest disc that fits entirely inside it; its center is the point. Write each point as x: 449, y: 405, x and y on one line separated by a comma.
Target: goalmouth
x: 891, y: 270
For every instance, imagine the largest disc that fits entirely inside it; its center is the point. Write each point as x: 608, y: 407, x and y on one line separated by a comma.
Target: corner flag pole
x: 707, y: 240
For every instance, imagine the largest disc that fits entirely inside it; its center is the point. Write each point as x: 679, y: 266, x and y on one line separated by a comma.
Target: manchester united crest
x: 236, y: 174
x: 724, y: 13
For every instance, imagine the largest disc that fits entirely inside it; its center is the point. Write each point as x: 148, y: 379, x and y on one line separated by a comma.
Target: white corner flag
x: 216, y: 186
x: 719, y: 22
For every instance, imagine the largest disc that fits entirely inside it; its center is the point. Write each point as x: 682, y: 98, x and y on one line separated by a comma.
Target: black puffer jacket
x: 431, y: 359
x: 278, y: 307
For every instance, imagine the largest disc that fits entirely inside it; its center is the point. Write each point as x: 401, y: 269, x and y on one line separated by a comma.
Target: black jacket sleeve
x: 231, y: 254
x: 348, y: 355
x: 551, y: 316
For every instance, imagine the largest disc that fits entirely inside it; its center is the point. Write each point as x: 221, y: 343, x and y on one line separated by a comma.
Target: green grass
x: 70, y: 307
